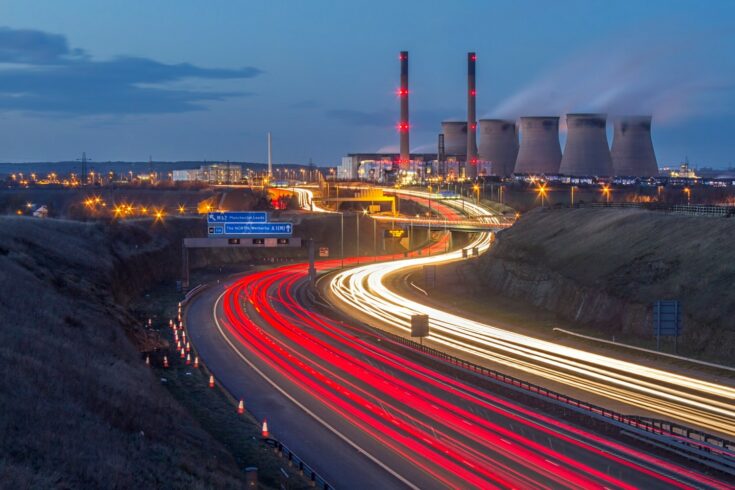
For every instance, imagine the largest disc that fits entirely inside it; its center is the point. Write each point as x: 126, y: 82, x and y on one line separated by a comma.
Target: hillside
x: 603, y: 268
x: 79, y: 406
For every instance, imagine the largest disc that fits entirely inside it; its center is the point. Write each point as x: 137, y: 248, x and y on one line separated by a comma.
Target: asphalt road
x: 366, y: 418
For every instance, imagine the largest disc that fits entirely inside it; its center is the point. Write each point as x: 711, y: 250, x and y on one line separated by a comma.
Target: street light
x: 342, y: 236
x: 541, y: 189
x: 606, y: 192
x: 688, y: 192
x: 571, y: 190
x: 476, y: 188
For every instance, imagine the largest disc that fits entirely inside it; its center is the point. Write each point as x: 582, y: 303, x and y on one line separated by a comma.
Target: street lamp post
x: 357, y: 236
x: 542, y: 193
x: 571, y: 190
x: 342, y: 237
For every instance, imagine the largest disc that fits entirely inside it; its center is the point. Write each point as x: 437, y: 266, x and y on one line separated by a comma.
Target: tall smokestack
x: 586, y: 151
x: 498, y: 145
x: 632, y: 149
x: 471, y: 117
x: 540, y: 151
x: 403, y: 125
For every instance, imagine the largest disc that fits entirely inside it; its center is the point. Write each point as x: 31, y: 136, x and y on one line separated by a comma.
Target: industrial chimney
x: 455, y: 138
x: 586, y: 151
x: 539, y: 151
x: 632, y: 149
x: 403, y: 126
x: 498, y: 145
x: 471, y: 151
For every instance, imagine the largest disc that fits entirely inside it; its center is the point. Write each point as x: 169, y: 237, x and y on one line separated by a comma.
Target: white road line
x: 302, y: 407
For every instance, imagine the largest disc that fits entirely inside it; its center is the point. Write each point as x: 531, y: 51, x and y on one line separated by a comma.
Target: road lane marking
x: 316, y: 417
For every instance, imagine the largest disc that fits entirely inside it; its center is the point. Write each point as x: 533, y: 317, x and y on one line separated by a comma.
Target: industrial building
x: 632, y: 148
x: 528, y: 147
x: 216, y: 173
x: 586, y: 151
x: 498, y: 147
x: 539, y: 151
x: 376, y: 167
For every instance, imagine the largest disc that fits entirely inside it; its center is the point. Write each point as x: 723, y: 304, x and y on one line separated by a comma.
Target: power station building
x: 528, y: 146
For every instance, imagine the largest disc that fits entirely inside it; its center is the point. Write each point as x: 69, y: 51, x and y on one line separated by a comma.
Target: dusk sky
x: 192, y: 80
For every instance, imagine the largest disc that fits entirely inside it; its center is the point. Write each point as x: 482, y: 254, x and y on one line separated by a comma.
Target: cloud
x: 631, y: 74
x: 56, y: 79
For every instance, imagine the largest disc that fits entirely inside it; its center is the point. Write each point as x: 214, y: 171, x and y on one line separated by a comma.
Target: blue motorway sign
x: 265, y: 229
x: 667, y: 318
x: 238, y: 217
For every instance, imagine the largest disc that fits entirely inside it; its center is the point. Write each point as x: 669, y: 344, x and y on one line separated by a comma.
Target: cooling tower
x: 403, y: 126
x: 471, y: 150
x: 455, y: 137
x: 539, y: 151
x: 632, y: 149
x: 586, y: 151
x: 499, y: 145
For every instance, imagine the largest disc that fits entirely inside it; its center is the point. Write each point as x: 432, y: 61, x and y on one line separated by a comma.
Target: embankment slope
x: 604, y: 268
x: 79, y: 407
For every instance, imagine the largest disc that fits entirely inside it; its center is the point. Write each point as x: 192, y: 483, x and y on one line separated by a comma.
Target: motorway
x: 366, y: 417
x: 363, y: 292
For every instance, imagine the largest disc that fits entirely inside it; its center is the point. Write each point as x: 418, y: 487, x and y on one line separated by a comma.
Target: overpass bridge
x: 472, y: 226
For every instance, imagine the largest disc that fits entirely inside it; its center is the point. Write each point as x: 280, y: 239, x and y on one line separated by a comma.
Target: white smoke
x: 628, y: 75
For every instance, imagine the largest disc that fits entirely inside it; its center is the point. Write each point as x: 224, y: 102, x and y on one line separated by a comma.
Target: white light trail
x: 669, y: 395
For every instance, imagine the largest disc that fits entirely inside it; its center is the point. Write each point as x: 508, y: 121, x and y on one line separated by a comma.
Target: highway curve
x: 365, y: 417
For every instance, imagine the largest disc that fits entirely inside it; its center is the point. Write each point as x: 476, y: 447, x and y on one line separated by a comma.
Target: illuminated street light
x: 571, y: 190
x: 541, y: 190
x: 606, y: 192
x: 688, y: 192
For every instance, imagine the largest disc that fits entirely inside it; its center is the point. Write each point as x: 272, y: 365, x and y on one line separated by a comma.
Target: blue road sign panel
x: 238, y: 217
x: 667, y: 318
x: 265, y: 229
x: 215, y: 229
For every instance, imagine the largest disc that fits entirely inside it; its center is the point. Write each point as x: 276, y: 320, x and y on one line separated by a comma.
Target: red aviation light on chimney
x: 401, y: 57
x: 473, y: 92
x: 401, y: 92
x: 402, y: 126
x: 473, y: 126
x: 473, y: 57
x: 473, y: 161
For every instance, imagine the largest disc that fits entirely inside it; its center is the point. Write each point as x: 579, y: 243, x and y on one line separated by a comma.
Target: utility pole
x: 270, y: 158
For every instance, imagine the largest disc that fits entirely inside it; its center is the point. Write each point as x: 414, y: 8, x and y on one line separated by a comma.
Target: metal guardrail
x: 704, y: 444
x: 689, y: 209
x: 295, y: 462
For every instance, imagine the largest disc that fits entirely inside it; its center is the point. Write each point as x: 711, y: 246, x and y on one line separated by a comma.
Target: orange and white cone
x: 183, y: 354
x: 188, y: 347
x: 147, y: 360
x: 265, y: 432
x: 196, y: 361
x: 241, y: 407
x: 165, y: 361
x: 183, y: 335
x: 188, y: 359
x: 211, y: 380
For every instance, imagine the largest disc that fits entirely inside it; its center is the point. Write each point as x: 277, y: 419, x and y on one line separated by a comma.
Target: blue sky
x: 189, y: 80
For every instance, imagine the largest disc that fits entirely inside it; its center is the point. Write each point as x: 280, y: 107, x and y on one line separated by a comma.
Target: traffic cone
x: 183, y: 355
x: 196, y: 361
x: 165, y: 361
x: 183, y: 335
x: 178, y: 344
x: 188, y: 347
x: 211, y: 380
x: 188, y: 359
x: 150, y: 322
x: 170, y: 323
x: 241, y: 407
x: 265, y: 432
x: 147, y: 360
